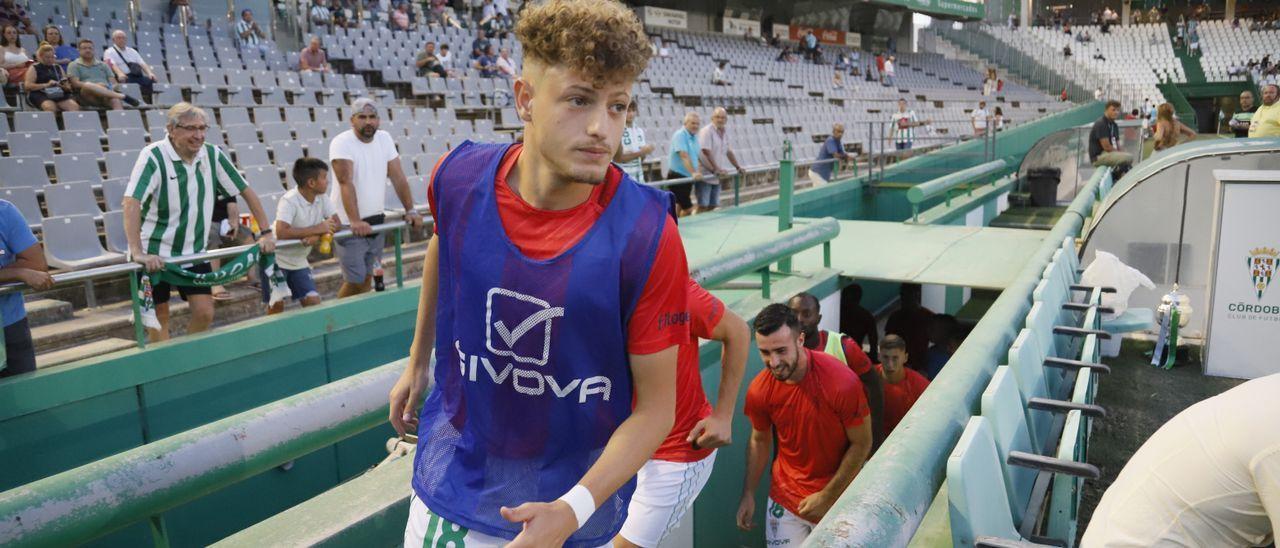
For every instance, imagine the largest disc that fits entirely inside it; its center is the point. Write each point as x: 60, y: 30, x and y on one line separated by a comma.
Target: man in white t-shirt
x: 634, y: 147
x: 304, y: 213
x: 889, y: 70
x: 715, y: 158
x: 128, y: 64
x: 979, y: 119
x: 363, y: 158
x: 1208, y: 477
x: 506, y: 65
x: 903, y: 127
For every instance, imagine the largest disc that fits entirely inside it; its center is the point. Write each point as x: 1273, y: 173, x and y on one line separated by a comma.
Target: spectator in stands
x: 177, y: 7
x: 62, y: 52
x: 889, y: 71
x: 15, y: 58
x: 46, y: 84
x: 480, y: 45
x: 1266, y: 120
x: 1104, y: 140
x: 911, y: 321
x: 1066, y: 51
x: 128, y: 64
x: 1097, y: 94
x: 786, y: 56
x: 857, y: 322
x: 320, y: 15
x: 312, y: 58
x: 997, y: 119
x: 659, y: 49
x: 437, y: 13
x: 492, y: 19
x: 717, y: 74
x: 487, y: 64
x: 364, y: 158
x: 903, y: 126
x: 715, y: 158
x: 306, y: 214
x: 816, y: 408
x: 1239, y: 123
x: 945, y: 337
x: 811, y: 46
x: 837, y: 80
x: 1210, y: 476
x: 902, y: 386
x: 21, y: 260
x: 978, y: 119
x: 16, y: 16
x: 250, y: 34
x: 176, y: 171
x: 880, y: 66
x: 400, y: 17
x: 683, y: 161
x: 95, y: 85
x: 808, y: 311
x: 446, y: 58
x: 634, y: 147
x: 833, y: 150
x: 506, y: 65
x: 1168, y: 129
x: 428, y: 62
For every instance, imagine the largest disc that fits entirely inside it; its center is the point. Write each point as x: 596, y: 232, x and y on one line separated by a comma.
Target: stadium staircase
x: 1190, y: 63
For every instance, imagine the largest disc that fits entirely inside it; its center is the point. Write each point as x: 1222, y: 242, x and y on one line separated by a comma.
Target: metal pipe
x: 786, y: 189
x: 729, y: 266
x: 84, y: 503
x: 923, y: 191
x: 886, y: 501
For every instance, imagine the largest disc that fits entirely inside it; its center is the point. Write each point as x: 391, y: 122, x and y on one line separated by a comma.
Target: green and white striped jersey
x: 177, y: 198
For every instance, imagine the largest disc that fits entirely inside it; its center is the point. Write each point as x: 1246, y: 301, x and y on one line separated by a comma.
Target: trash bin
x: 1042, y: 182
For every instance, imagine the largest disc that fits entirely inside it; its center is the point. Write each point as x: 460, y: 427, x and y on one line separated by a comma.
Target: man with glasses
x: 168, y: 209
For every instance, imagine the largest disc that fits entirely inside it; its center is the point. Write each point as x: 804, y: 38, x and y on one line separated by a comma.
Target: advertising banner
x: 825, y: 36
x: 662, y: 17
x: 738, y: 27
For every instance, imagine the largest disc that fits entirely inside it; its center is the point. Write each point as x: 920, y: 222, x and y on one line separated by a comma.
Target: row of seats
x: 1016, y: 473
x: 1224, y: 47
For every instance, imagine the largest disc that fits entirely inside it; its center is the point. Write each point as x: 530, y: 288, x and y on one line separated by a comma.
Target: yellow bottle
x: 253, y: 225
x: 326, y: 244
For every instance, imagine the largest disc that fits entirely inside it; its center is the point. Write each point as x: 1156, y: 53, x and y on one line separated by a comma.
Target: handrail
x: 725, y: 267
x: 886, y: 501
x: 84, y: 503
x: 943, y: 185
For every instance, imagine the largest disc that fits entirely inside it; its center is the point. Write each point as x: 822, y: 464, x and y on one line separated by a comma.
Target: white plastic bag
x: 1107, y: 270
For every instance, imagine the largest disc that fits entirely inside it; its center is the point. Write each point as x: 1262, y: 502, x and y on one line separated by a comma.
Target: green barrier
x: 885, y: 503
x: 943, y: 185
x: 95, y: 499
x: 758, y: 257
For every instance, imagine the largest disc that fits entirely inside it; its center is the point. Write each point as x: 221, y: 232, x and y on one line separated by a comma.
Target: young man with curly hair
x: 554, y: 297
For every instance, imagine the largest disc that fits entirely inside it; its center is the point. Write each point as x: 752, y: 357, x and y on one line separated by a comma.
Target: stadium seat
x: 23, y: 171
x: 277, y: 132
x: 230, y: 116
x: 113, y: 229
x: 263, y: 179
x: 82, y: 120
x: 71, y: 243
x: 24, y: 198
x: 78, y: 168
x: 37, y: 144
x: 251, y: 155
x: 80, y: 142
x: 131, y: 119
x: 113, y: 194
x: 286, y: 153
x: 242, y: 134
x: 37, y: 120
x: 120, y: 164
x: 265, y: 115
x: 128, y: 139
x: 71, y: 199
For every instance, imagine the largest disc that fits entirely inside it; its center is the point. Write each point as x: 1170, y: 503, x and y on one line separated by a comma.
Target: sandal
x: 221, y: 294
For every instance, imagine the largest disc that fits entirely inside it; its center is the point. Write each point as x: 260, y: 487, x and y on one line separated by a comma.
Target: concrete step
x: 82, y: 351
x: 47, y: 311
x: 114, y: 320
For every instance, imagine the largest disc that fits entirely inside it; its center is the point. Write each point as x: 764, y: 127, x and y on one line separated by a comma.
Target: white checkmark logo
x: 510, y: 337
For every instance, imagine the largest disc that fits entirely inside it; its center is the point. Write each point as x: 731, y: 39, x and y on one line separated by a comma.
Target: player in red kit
x: 902, y: 385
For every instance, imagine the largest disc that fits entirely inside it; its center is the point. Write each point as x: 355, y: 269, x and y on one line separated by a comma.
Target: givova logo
x: 519, y: 326
x: 1262, y: 264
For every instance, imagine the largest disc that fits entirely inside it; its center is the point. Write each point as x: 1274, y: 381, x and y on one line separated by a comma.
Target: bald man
x: 716, y: 157
x: 833, y: 148
x: 683, y: 161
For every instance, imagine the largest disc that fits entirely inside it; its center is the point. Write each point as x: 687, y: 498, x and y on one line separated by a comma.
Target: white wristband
x: 583, y: 504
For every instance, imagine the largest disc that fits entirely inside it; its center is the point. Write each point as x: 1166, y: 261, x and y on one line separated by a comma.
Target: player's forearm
x: 850, y: 464
x: 759, y: 449
x: 733, y: 363
x: 424, y: 332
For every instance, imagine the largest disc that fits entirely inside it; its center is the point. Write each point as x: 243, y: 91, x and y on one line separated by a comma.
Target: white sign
x: 1244, y: 315
x: 853, y: 39
x: 738, y: 27
x: 662, y: 17
x: 783, y: 32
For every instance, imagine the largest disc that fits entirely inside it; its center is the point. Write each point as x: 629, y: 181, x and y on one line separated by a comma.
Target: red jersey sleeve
x: 858, y: 360
x: 756, y: 408
x: 660, y: 319
x: 851, y: 403
x: 431, y: 194
x: 705, y: 311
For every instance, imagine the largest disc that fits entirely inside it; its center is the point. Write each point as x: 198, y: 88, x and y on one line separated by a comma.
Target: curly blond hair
x: 600, y: 39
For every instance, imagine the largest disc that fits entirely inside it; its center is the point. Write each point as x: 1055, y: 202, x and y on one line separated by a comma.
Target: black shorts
x: 20, y: 351
x: 683, y: 191
x: 160, y: 291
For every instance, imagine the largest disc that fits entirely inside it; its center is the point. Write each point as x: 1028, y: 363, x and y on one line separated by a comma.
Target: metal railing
x: 90, y: 275
x: 752, y: 170
x: 943, y: 185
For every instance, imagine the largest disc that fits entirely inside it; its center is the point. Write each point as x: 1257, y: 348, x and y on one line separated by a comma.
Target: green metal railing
x: 886, y: 501
x: 943, y: 185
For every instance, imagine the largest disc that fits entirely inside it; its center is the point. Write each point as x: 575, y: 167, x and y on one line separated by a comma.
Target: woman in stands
x: 64, y: 53
x: 13, y: 58
x: 1168, y: 129
x: 47, y: 85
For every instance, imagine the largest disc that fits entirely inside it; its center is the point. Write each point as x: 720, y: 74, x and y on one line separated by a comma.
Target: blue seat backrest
x: 1003, y: 407
x: 975, y: 487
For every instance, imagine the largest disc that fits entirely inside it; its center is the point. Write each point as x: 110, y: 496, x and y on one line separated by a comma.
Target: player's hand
x: 36, y: 279
x: 267, y: 243
x: 151, y: 263
x: 814, y: 506
x: 711, y: 432
x: 545, y: 523
x: 361, y: 228
x: 414, y: 219
x: 405, y: 397
x: 746, y: 511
